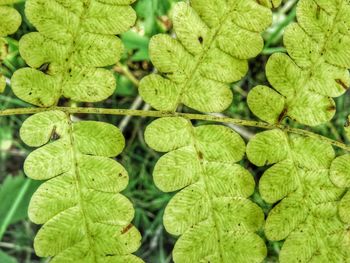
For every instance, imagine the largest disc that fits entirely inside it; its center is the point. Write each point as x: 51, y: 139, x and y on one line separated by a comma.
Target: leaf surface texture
x: 315, y: 69
x: 212, y: 213
x: 306, y: 213
x: 75, y: 40
x: 85, y: 217
x: 214, y: 40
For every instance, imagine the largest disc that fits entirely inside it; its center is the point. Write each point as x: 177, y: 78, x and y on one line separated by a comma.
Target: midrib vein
x: 199, y: 60
x: 77, y: 180
x: 68, y: 58
x: 202, y: 178
x: 311, y: 70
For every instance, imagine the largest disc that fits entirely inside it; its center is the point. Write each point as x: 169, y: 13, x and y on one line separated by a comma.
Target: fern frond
x: 214, y: 41
x: 85, y: 217
x: 306, y: 215
x: 75, y: 39
x: 212, y: 213
x: 315, y: 70
x: 10, y: 20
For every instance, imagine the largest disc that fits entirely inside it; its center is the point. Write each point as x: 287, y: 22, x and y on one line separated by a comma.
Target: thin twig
x: 245, y: 133
x: 134, y: 106
x: 126, y: 72
x: 277, y: 33
x: 137, y: 102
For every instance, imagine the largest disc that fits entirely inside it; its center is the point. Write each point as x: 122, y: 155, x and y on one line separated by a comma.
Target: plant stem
x: 126, y: 72
x: 277, y: 33
x: 190, y: 116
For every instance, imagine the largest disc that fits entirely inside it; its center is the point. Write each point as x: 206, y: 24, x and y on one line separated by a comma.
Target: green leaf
x: 306, y: 213
x: 146, y: 10
x: 137, y: 44
x: 75, y: 39
x: 15, y: 193
x: 85, y: 217
x: 266, y: 104
x: 10, y: 19
x: 315, y: 70
x: 4, y: 258
x: 214, y: 41
x: 212, y: 213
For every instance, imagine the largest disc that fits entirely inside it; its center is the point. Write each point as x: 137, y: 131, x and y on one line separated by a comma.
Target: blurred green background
x: 17, y: 232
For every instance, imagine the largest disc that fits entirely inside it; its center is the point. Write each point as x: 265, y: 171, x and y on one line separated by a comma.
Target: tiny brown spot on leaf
x: 341, y: 83
x: 126, y: 229
x: 200, y: 155
x: 331, y: 108
x: 200, y: 39
x: 318, y: 11
x: 282, y: 115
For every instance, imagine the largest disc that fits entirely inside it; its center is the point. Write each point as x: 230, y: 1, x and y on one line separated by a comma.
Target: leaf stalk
x: 190, y: 116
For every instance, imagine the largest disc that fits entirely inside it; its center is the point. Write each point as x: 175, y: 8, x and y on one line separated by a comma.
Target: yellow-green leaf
x: 10, y: 19
x: 214, y: 41
x: 75, y: 39
x: 85, y: 217
x: 315, y: 69
x: 306, y: 214
x: 212, y: 213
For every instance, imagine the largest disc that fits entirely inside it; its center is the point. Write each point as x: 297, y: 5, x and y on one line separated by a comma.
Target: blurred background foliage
x: 17, y: 232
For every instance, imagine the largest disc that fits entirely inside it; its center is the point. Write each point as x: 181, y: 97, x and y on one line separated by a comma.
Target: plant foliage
x: 75, y: 39
x: 306, y: 215
x: 212, y: 213
x: 10, y: 20
x: 85, y: 217
x: 214, y: 41
x: 315, y: 69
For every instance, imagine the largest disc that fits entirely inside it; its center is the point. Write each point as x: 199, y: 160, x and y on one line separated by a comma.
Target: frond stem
x: 190, y: 116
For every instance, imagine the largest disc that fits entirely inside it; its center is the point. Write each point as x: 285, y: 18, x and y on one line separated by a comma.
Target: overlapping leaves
x: 85, y: 217
x: 10, y: 20
x: 216, y: 221
x: 214, y: 41
x: 307, y: 212
x: 315, y: 70
x: 75, y: 39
